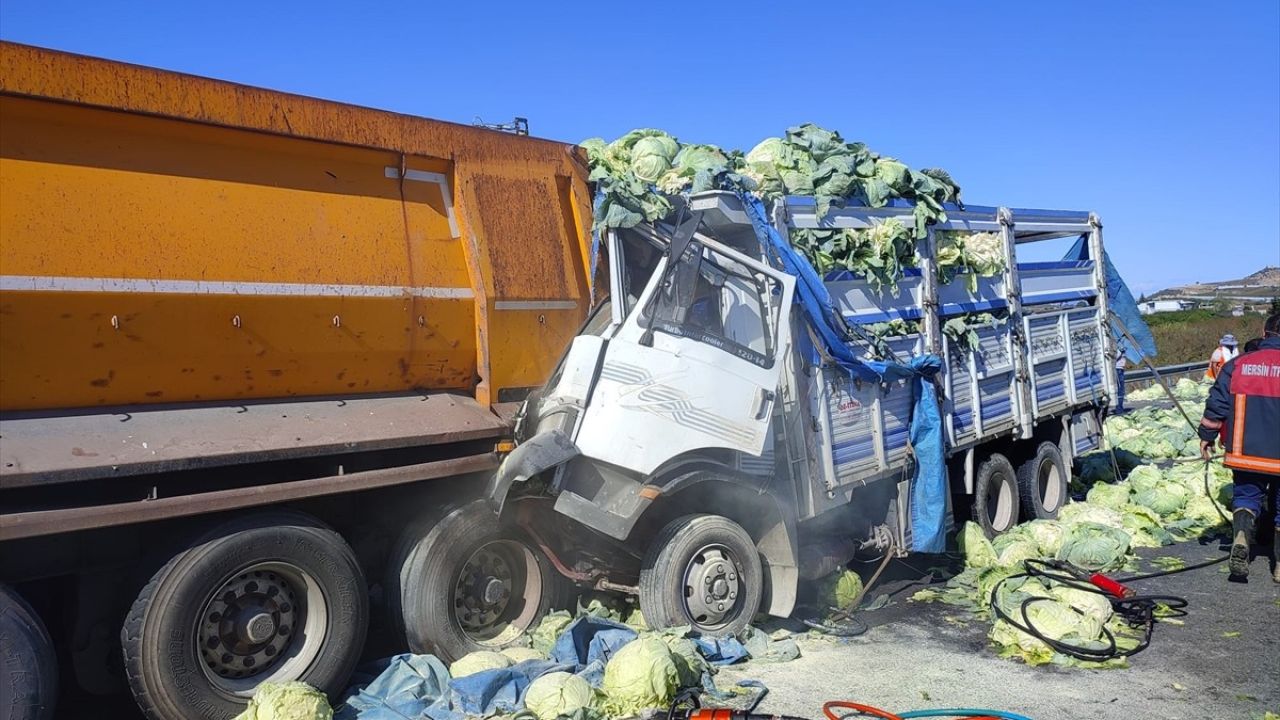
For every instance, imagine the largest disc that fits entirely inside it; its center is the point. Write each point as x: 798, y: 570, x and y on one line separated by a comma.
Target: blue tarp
x: 412, y: 687
x: 1122, y: 304
x: 588, y: 643
x: 929, y: 487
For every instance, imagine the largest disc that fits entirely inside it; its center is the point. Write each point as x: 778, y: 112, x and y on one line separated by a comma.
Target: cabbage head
x: 1048, y: 535
x: 641, y: 675
x: 1112, y: 496
x: 1095, y: 547
x: 769, y: 151
x: 520, y: 654
x: 287, y: 701
x: 977, y: 549
x: 1092, y: 604
x: 479, y: 661
x: 1202, y: 512
x: 1054, y: 619
x: 1089, y: 512
x: 1144, y: 477
x: 986, y: 581
x: 1143, y: 526
x: 1012, y: 548
x: 652, y: 156
x: 548, y: 631
x: 690, y: 665
x: 559, y: 693
x: 840, y: 590
x: 1166, y: 498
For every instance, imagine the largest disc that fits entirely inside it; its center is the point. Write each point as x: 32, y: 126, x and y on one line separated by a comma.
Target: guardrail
x: 1140, y: 374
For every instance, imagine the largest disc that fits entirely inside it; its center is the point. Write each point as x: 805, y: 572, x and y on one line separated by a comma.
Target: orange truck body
x: 169, y: 239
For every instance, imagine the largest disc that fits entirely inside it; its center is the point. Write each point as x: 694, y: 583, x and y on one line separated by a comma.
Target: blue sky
x: 1162, y: 117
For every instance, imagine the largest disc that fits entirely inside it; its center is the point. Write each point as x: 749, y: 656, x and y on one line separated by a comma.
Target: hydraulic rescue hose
x: 687, y: 707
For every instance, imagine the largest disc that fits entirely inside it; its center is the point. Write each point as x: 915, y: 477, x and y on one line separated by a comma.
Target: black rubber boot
x: 1242, y: 523
x: 1275, y: 557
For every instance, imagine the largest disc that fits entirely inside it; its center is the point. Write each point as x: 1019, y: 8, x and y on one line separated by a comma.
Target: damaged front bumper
x: 538, y: 454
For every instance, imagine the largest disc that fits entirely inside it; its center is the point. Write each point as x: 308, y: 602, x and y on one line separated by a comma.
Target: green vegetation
x: 1191, y: 335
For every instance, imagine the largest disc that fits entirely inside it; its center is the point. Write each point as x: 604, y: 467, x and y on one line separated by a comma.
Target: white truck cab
x: 696, y: 426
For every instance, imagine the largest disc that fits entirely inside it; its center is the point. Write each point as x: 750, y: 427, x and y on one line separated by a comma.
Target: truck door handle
x: 764, y: 402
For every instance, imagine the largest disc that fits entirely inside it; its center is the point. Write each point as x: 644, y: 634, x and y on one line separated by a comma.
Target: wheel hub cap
x: 249, y: 624
x: 712, y: 586
x: 484, y: 590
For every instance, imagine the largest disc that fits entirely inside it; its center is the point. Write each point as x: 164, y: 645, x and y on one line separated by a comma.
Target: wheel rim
x: 1000, y: 510
x: 1049, y: 480
x: 266, y: 622
x: 713, y: 586
x: 496, y: 594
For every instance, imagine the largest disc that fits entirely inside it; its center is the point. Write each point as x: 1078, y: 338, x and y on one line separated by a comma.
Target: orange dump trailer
x: 167, y: 238
x: 257, y: 354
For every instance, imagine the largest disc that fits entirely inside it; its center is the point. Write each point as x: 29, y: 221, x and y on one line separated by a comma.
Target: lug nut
x: 732, y: 576
x: 720, y: 606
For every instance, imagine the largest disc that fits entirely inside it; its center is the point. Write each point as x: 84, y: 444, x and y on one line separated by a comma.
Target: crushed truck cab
x: 708, y: 388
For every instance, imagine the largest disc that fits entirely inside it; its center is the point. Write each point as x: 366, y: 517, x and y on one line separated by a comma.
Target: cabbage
x: 1054, y: 619
x: 558, y: 693
x: 479, y: 661
x: 1048, y: 535
x: 690, y: 665
x: 1144, y: 477
x: 1012, y: 548
x: 520, y: 654
x: 287, y: 701
x: 1112, y: 496
x: 977, y: 549
x: 651, y: 157
x: 840, y: 590
x: 1088, y: 512
x: 1165, y: 498
x: 641, y: 675
x: 548, y: 631
x: 1094, y: 547
x: 1093, y: 604
x: 1143, y: 526
x: 1202, y: 513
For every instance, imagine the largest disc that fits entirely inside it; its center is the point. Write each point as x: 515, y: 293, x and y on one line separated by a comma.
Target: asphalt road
x: 923, y: 655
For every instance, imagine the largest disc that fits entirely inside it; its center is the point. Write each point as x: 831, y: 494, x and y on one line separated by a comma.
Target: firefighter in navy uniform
x: 1244, y: 409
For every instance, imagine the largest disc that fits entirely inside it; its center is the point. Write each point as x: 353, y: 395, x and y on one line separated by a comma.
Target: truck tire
x: 995, y: 495
x: 471, y: 582
x: 28, y: 667
x: 1042, y: 482
x: 272, y: 596
x: 704, y: 571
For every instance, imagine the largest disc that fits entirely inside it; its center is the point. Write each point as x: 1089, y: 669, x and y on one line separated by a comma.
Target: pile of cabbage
x: 637, y: 175
x: 645, y: 673
x: 1134, y: 497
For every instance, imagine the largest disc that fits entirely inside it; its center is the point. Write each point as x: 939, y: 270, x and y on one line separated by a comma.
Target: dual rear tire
x: 1002, y: 495
x: 275, y: 596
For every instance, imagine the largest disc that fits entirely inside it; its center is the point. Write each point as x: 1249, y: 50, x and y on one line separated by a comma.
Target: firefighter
x: 1244, y: 408
x: 1225, y: 351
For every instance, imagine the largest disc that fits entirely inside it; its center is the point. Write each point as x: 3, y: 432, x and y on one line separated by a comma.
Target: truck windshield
x: 713, y: 299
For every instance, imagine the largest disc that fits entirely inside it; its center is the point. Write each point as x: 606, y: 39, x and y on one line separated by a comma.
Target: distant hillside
x: 1261, y: 285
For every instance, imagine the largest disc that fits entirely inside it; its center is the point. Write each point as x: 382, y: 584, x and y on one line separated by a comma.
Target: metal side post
x: 1013, y: 295
x: 1109, y: 349
x: 929, y: 289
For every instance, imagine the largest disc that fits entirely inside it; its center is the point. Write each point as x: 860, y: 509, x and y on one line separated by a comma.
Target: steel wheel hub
x: 484, y: 588
x: 711, y: 586
x: 249, y: 623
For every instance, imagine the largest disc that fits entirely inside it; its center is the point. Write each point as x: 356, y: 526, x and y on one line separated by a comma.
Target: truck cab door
x: 695, y: 363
